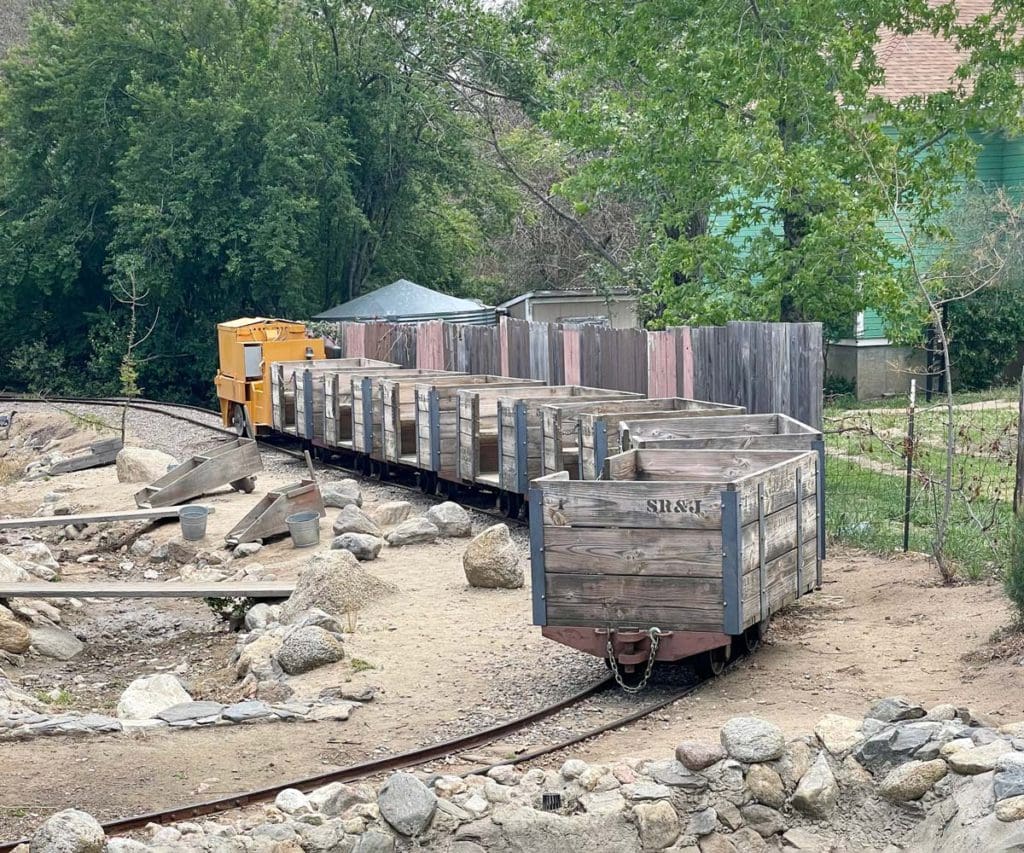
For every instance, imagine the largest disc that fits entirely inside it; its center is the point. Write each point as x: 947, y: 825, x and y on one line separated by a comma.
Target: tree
x: 240, y: 157
x: 750, y: 131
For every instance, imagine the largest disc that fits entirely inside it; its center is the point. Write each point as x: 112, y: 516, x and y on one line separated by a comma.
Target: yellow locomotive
x: 248, y: 346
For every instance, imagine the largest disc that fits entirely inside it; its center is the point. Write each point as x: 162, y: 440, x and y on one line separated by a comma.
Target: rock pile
x: 885, y: 783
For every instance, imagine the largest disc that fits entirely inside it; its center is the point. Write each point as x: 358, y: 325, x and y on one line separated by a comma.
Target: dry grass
x: 9, y: 471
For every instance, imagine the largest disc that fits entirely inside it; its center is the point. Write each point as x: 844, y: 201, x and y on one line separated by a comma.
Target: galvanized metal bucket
x: 193, y: 522
x: 304, y: 528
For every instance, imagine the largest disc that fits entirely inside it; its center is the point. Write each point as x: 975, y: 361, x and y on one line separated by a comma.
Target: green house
x: 918, y: 64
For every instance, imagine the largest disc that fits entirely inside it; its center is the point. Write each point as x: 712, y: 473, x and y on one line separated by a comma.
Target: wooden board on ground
x: 100, y: 453
x: 93, y: 517
x: 148, y: 589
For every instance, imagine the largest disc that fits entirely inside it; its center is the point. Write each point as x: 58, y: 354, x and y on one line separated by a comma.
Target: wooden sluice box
x: 703, y: 545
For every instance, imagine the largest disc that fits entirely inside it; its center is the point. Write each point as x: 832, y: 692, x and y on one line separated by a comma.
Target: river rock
x: 352, y: 519
x: 981, y: 759
x: 1010, y: 809
x: 247, y: 549
x: 391, y: 513
x: 142, y: 464
x: 11, y: 572
x: 895, y: 744
x: 362, y: 546
x: 491, y: 560
x: 764, y: 820
x: 40, y: 554
x: 1008, y: 780
x: 148, y: 695
x: 411, y: 532
x: 838, y: 734
x: 716, y: 843
x: 752, y: 740
x: 697, y: 755
x: 658, y: 824
x: 260, y: 615
x: 308, y: 647
x: 766, y: 786
x: 895, y: 709
x: 190, y: 712
x: 53, y: 642
x: 912, y: 780
x: 341, y: 493
x: 406, y: 804
x: 450, y: 519
x: 818, y: 792
x: 14, y: 637
x: 69, y: 831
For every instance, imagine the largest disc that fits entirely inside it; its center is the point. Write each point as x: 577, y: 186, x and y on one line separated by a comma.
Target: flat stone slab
x: 253, y: 709
x: 188, y: 712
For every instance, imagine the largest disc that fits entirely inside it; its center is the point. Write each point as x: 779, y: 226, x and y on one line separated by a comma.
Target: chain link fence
x: 886, y: 470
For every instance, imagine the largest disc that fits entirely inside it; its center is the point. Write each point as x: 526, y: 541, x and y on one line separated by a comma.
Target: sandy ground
x: 447, y: 659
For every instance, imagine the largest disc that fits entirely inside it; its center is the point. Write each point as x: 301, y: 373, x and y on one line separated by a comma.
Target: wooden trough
x: 578, y: 437
x: 437, y: 415
x: 702, y: 544
x: 98, y: 454
x: 232, y: 462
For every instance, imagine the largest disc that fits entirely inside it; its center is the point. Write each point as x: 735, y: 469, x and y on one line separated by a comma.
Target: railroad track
x: 161, y: 408
x: 412, y: 758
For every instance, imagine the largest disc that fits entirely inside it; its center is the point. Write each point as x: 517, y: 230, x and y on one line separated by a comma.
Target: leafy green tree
x: 753, y: 135
x: 236, y: 157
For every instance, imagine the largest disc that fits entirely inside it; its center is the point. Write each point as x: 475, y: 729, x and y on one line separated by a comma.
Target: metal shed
x: 405, y: 301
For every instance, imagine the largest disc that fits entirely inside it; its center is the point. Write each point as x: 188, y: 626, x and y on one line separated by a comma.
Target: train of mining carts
x: 660, y: 529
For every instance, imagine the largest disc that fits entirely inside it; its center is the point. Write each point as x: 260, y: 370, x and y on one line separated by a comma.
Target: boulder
x: 14, y: 637
x: 716, y: 843
x: 362, y: 546
x: 1010, y: 809
x: 352, y: 519
x: 895, y: 744
x: 142, y: 465
x: 292, y: 801
x: 336, y: 583
x: 411, y: 532
x: 895, y: 709
x: 406, y: 804
x: 795, y: 761
x: 658, y: 824
x: 491, y: 560
x: 391, y: 513
x: 147, y: 696
x: 839, y: 734
x: 450, y: 519
x: 766, y: 786
x: 341, y: 493
x: 69, y: 831
x: 818, y: 792
x: 695, y: 755
x: 912, y: 780
x: 752, y: 740
x: 259, y: 656
x: 307, y: 648
x: 53, y: 642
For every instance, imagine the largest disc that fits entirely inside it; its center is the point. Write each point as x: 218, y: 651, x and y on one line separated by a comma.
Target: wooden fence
x: 767, y: 367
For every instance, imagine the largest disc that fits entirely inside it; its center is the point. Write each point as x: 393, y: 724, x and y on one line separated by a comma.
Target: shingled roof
x: 920, y: 63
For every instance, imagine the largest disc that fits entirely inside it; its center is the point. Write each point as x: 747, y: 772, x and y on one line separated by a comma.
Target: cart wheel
x: 511, y: 504
x: 428, y: 482
x: 752, y: 637
x: 246, y: 484
x: 239, y: 421
x: 711, y: 663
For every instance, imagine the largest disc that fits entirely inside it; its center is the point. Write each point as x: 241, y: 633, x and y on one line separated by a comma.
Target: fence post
x: 908, y: 452
x: 1018, y: 482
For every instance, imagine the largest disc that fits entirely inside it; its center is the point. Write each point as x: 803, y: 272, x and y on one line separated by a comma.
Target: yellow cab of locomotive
x: 248, y: 347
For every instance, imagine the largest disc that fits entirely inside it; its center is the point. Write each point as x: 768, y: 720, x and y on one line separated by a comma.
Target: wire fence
x: 886, y: 471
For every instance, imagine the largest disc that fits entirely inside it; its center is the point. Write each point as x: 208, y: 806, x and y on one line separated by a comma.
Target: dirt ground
x: 447, y: 659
